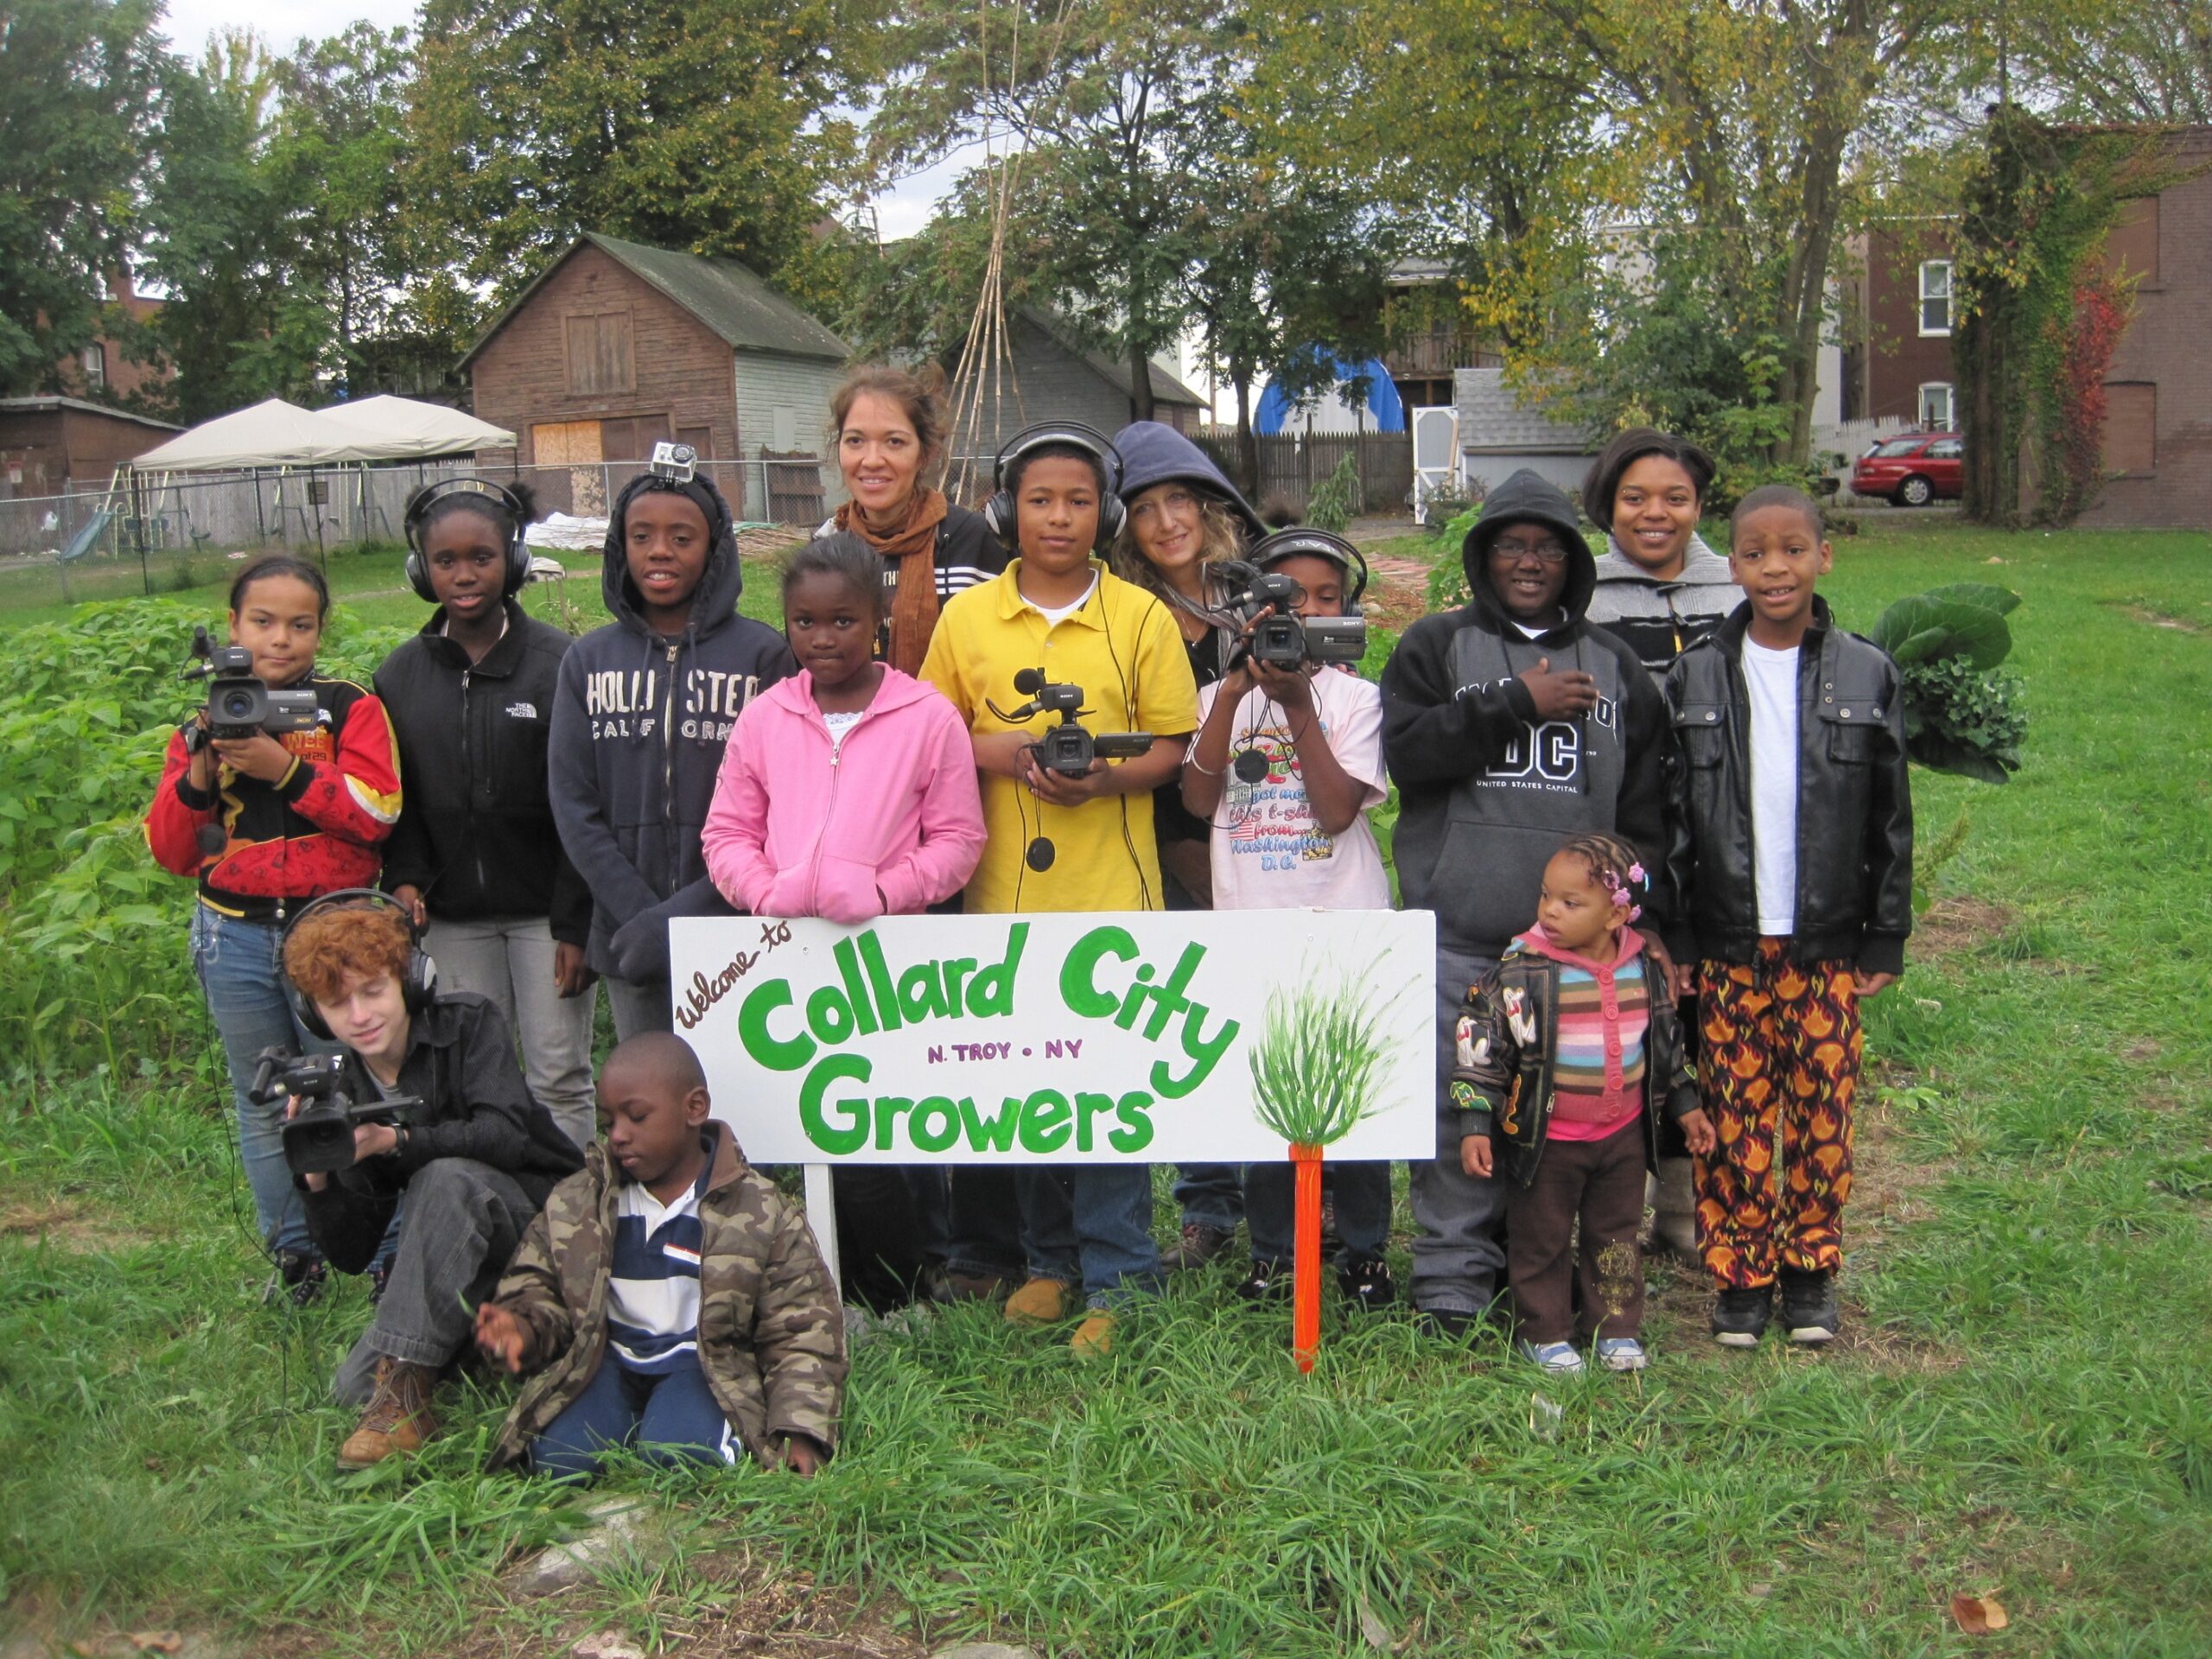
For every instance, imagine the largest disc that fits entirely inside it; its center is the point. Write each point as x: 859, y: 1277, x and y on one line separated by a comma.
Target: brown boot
x: 398, y: 1416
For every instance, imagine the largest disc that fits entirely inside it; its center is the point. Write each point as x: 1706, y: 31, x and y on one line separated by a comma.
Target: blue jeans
x: 1360, y: 1187
x: 668, y: 1419
x: 237, y: 961
x: 983, y: 1222
x: 1089, y: 1223
x: 1210, y: 1195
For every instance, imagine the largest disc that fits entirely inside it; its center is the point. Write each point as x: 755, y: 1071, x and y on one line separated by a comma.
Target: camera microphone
x: 1029, y: 681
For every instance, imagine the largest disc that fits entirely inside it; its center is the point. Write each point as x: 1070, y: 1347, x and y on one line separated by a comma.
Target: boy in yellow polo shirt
x: 1058, y: 843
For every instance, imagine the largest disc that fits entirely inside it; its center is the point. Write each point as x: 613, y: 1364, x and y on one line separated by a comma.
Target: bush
x: 1335, y: 499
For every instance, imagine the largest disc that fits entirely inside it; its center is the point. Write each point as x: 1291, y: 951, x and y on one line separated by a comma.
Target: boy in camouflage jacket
x: 769, y: 1334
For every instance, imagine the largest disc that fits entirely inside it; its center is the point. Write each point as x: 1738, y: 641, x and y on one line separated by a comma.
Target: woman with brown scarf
x: 890, y: 432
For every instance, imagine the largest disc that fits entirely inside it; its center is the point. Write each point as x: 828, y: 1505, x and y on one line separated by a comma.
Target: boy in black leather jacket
x: 1791, y: 862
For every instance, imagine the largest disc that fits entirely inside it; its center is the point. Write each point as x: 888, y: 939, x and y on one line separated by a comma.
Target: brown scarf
x: 912, y: 542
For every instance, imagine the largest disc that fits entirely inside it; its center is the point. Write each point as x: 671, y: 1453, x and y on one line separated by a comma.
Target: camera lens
x: 236, y: 705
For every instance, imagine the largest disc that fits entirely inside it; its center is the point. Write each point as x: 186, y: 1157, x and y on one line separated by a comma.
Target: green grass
x: 2020, y: 1409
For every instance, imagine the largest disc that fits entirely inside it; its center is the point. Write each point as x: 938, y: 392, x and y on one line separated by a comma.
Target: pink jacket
x: 799, y: 829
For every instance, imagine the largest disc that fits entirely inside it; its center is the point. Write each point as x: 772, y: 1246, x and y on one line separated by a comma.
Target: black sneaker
x: 1366, y: 1279
x: 299, y: 1279
x: 1452, y: 1324
x: 1808, y: 1309
x: 1739, y: 1315
x: 1200, y: 1244
x: 1270, y: 1281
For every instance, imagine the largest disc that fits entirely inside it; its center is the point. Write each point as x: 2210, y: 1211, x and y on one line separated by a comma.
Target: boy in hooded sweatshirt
x: 645, y: 706
x: 1508, y: 726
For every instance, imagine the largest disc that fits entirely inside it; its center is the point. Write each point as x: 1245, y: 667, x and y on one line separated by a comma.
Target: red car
x: 1913, y: 470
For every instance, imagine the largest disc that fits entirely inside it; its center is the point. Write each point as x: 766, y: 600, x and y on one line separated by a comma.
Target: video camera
x: 1068, y: 749
x: 1282, y: 639
x: 319, y: 1140
x: 239, y: 703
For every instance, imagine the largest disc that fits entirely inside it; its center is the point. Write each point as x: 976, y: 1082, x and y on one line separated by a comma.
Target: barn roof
x: 1166, y: 387
x: 730, y: 299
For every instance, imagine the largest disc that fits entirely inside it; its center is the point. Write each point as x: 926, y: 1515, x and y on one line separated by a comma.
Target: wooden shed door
x: 576, y: 445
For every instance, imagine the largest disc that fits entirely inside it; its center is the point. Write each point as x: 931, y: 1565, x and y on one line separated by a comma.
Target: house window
x: 1935, y: 296
x: 600, y: 356
x: 1936, y: 405
x: 2130, y: 437
x: 96, y: 364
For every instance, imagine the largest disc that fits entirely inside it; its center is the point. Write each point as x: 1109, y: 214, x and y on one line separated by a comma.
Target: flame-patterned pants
x: 1781, y: 1043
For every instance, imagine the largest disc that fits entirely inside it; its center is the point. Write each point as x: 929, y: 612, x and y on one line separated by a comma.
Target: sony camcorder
x: 1068, y: 749
x: 1282, y: 639
x: 319, y: 1138
x: 239, y: 702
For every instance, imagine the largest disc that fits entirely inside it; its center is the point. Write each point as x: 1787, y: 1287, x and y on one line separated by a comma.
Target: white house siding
x: 783, y: 403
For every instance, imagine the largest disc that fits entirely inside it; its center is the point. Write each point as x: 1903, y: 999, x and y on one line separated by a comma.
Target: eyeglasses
x: 1175, y: 501
x: 1550, y: 551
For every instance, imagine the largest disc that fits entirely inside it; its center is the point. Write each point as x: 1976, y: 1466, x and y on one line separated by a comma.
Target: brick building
x: 1897, y: 312
x: 616, y: 346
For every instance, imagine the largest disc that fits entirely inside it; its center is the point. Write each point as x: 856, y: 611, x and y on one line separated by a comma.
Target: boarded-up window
x: 2130, y: 427
x: 2133, y: 246
x: 701, y: 438
x: 601, y: 355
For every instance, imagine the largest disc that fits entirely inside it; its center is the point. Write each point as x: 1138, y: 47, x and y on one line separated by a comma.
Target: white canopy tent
x: 278, y: 433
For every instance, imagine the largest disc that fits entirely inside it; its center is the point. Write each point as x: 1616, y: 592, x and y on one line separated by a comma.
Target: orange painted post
x: 1306, y: 1292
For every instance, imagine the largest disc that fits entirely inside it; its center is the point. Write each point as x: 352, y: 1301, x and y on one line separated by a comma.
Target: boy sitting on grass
x: 669, y: 1298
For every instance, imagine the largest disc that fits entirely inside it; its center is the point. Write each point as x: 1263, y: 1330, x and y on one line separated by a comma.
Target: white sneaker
x: 1552, y: 1356
x: 1622, y: 1354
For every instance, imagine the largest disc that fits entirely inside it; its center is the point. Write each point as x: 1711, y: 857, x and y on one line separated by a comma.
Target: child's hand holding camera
x: 504, y: 1338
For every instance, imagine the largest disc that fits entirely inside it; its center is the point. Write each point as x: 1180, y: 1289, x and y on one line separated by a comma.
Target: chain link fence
x: 171, y: 532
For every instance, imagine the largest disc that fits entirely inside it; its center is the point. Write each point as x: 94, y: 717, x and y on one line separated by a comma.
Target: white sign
x: 1060, y: 1038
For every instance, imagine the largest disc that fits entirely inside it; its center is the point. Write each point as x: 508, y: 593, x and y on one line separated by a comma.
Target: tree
x: 240, y: 324
x: 78, y: 81
x: 711, y: 127
x: 1108, y: 105
x: 2114, y: 60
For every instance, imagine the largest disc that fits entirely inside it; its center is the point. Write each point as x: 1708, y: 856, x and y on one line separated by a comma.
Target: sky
x: 900, y: 211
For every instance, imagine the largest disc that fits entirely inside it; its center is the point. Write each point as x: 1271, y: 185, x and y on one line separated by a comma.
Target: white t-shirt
x: 839, y: 724
x: 1057, y: 615
x: 1771, y: 678
x: 1268, y: 853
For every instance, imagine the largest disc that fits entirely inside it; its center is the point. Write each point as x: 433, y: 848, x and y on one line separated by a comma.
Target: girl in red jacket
x: 849, y: 792
x: 266, y: 823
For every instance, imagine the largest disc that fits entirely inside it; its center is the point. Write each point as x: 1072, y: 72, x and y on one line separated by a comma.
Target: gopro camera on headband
x: 675, y: 462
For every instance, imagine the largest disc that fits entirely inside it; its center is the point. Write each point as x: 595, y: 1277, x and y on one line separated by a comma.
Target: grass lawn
x: 2020, y: 1407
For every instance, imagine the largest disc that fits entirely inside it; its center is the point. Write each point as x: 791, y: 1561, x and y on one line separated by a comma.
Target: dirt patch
x: 66, y: 1227
x: 1956, y: 924
x: 1397, y: 592
x: 2152, y: 618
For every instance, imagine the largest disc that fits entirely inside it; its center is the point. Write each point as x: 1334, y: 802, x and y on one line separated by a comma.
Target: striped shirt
x: 1598, y: 1068
x: 652, y: 1293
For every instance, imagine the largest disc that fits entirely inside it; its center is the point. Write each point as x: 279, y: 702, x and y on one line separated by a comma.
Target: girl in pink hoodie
x: 849, y: 790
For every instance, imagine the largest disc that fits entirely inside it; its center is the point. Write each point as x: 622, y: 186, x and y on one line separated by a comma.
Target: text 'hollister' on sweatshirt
x: 1488, y: 791
x: 638, y: 729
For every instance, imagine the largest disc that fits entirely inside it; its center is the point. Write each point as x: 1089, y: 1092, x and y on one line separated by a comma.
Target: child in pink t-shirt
x: 1566, y: 1052
x: 1285, y: 767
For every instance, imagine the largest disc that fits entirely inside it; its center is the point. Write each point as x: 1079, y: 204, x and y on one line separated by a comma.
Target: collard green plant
x: 1336, y: 497
x: 1315, y: 1061
x: 1962, y: 714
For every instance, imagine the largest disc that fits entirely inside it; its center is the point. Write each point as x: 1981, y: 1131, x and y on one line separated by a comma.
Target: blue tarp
x: 1385, y: 413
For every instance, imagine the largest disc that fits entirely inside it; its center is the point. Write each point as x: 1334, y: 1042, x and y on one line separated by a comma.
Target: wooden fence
x: 1293, y: 464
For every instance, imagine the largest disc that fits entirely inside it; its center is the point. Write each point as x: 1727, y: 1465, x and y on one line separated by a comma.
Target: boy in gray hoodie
x: 1508, y: 726
x: 644, y: 711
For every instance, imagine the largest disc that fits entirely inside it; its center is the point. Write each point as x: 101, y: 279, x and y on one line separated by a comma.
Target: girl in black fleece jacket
x: 476, y: 855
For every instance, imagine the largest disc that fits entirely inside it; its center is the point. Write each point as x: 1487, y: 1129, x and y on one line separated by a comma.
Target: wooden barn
x: 1054, y: 377
x: 616, y: 346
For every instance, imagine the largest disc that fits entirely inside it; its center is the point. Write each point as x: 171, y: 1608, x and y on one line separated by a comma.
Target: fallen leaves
x: 1979, y: 1615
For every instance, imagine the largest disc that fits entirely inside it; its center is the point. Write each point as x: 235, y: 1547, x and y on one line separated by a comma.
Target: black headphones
x: 1316, y: 544
x: 495, y: 494
x: 999, y: 511
x: 417, y: 984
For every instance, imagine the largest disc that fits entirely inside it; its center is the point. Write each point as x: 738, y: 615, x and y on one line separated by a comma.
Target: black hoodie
x: 638, y: 729
x: 1487, y: 792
